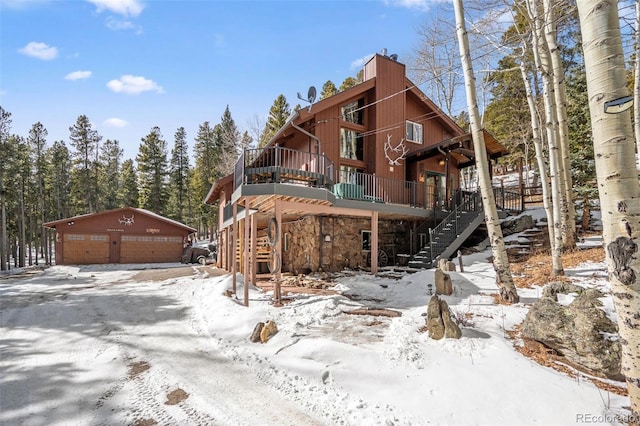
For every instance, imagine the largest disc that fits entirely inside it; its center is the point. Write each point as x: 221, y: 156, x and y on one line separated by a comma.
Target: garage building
x: 127, y: 235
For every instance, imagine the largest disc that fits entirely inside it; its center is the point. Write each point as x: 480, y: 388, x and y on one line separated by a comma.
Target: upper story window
x: 351, y: 145
x: 353, y: 112
x: 414, y: 132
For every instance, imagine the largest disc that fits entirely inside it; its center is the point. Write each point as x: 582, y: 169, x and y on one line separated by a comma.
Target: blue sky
x: 130, y: 65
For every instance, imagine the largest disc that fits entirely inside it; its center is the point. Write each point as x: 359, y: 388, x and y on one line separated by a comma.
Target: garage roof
x: 144, y: 212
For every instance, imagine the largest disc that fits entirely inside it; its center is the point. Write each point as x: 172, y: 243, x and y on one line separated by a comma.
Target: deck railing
x: 276, y: 164
x: 378, y: 189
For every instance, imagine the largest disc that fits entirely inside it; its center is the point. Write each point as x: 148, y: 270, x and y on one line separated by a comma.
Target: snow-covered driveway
x: 91, y: 346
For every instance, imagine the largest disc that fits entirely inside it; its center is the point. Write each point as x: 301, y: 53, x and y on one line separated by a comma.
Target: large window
x: 351, y: 145
x: 414, y: 132
x: 353, y: 112
x: 350, y: 174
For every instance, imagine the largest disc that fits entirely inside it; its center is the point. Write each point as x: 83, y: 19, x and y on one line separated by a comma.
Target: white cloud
x: 122, y: 25
x: 115, y: 122
x: 358, y: 63
x: 39, y: 50
x: 121, y: 7
x: 133, y: 85
x: 423, y: 5
x: 78, y: 75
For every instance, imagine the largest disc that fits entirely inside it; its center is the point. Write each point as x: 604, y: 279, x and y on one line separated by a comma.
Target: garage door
x: 150, y: 249
x: 83, y: 249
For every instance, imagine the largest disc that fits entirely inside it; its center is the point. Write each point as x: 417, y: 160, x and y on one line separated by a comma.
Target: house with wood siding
x: 365, y: 178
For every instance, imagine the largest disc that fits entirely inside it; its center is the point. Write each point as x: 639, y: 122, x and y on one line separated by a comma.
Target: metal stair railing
x: 447, y: 231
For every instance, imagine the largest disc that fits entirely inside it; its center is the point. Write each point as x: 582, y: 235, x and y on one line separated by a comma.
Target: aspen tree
x: 617, y: 176
x: 504, y: 279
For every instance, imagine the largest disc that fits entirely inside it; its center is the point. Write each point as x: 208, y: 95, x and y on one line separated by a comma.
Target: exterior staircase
x: 451, y: 232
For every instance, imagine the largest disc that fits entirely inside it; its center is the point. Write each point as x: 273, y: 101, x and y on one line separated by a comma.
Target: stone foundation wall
x: 328, y: 243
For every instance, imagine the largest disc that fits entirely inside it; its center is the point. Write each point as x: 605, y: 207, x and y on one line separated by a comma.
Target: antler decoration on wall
x: 399, y: 151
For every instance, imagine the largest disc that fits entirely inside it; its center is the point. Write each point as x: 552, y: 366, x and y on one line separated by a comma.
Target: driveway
x: 100, y: 346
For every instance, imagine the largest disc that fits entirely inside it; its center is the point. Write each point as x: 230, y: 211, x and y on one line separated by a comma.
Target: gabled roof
x: 216, y: 188
x: 143, y: 212
x: 461, y: 148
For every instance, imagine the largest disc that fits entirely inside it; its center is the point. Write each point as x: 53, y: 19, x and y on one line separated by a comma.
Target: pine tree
x: 179, y: 169
x: 153, y: 172
x: 348, y: 83
x: 6, y: 155
x: 58, y: 180
x: 37, y: 143
x: 128, y: 192
x: 328, y: 89
x: 109, y: 173
x: 278, y: 115
x: 84, y: 183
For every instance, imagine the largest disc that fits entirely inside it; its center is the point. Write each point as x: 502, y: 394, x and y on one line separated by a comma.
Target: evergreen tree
x: 109, y: 173
x: 229, y: 143
x: 84, y: 184
x: 328, y: 89
x: 179, y: 168
x: 58, y: 180
x: 205, y: 173
x: 153, y: 172
x: 278, y: 115
x: 348, y: 83
x: 6, y: 156
x: 37, y: 142
x: 128, y: 191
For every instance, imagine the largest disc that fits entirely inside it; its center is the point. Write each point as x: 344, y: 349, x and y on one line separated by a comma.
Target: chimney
x: 384, y: 51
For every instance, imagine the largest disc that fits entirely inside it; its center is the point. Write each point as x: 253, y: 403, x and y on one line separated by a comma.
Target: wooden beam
x: 254, y: 248
x: 278, y: 253
x: 245, y: 272
x: 234, y: 239
x: 374, y: 242
x: 323, y: 209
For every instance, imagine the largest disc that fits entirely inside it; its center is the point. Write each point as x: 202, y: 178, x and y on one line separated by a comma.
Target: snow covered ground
x: 91, y: 345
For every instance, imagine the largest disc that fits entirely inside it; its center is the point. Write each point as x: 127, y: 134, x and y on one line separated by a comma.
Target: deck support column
x: 277, y: 291
x: 374, y: 242
x: 234, y: 245
x: 254, y: 248
x: 248, y: 256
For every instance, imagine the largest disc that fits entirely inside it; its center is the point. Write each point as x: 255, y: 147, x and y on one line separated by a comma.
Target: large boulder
x: 579, y: 331
x: 439, y: 321
x: 444, y: 285
x: 517, y: 224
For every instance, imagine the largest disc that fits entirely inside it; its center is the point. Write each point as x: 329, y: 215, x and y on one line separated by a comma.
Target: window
x: 73, y: 237
x: 349, y: 174
x: 98, y: 238
x: 414, y: 132
x: 353, y: 112
x: 366, y: 240
x: 351, y: 145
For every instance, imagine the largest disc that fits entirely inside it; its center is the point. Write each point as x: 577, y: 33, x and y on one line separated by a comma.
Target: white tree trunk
x: 504, y: 279
x: 568, y: 219
x: 619, y: 190
x: 537, y: 143
x: 541, y: 56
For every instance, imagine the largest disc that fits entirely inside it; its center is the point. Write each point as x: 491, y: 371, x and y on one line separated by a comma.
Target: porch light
x: 619, y: 105
x: 441, y: 162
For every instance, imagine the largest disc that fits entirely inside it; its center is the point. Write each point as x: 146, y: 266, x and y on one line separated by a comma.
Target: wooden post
x: 278, y: 248
x: 245, y: 271
x: 234, y: 242
x: 254, y: 248
x: 460, y: 261
x: 374, y: 242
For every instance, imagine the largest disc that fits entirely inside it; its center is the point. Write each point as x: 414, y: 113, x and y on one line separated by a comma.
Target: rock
x: 255, y: 336
x: 518, y: 224
x: 268, y: 331
x: 451, y: 329
x: 579, y: 331
x: 446, y: 265
x: 552, y: 289
x: 443, y: 283
x: 435, y: 325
